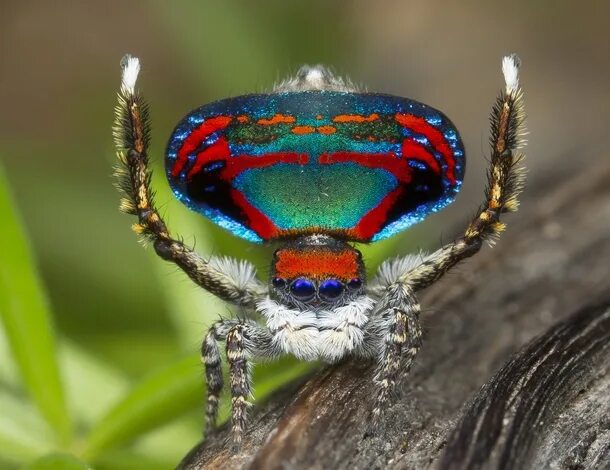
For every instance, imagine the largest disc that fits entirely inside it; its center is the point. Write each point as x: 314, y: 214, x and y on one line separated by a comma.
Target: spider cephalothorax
x: 315, y: 166
x: 317, y: 271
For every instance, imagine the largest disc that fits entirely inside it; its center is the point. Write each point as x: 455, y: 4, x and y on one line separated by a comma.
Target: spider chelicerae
x: 315, y: 166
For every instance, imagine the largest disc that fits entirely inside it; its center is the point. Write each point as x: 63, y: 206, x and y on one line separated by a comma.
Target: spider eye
x: 303, y: 289
x: 331, y: 289
x: 278, y: 282
x: 355, y: 283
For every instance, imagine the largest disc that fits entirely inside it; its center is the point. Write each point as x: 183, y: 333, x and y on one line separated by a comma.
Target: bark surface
x: 514, y: 368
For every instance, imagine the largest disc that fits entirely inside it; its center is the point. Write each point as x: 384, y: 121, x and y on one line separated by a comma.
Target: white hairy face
x: 310, y: 334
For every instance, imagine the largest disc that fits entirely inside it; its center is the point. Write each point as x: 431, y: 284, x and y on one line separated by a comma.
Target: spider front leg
x: 229, y: 280
x: 243, y: 340
x: 395, y: 323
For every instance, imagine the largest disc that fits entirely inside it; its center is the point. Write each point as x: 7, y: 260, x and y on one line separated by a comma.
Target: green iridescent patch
x: 302, y: 196
x: 252, y: 133
x: 384, y: 128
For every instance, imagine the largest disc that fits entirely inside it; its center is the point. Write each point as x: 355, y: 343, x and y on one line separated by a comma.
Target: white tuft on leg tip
x: 510, y: 69
x: 131, y: 68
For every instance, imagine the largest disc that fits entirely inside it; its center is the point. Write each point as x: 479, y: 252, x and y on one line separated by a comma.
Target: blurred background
x: 123, y: 318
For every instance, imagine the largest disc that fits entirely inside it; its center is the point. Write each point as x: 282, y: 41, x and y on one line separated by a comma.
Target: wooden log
x: 546, y: 406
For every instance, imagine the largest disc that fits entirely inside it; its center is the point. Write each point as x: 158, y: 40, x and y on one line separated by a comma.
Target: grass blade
x: 26, y: 317
x: 58, y: 462
x: 24, y: 435
x: 169, y: 393
x: 158, y: 399
x: 92, y: 386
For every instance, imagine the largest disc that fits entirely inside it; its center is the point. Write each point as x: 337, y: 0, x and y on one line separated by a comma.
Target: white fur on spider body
x: 311, y: 334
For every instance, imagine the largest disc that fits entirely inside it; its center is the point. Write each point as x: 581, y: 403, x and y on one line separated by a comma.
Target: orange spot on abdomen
x: 327, y: 130
x: 303, y: 130
x: 355, y: 118
x: 277, y: 119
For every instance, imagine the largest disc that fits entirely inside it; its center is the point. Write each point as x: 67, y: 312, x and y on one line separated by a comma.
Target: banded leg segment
x: 402, y: 337
x: 243, y: 339
x: 210, y: 356
x: 240, y: 374
x: 504, y: 183
x: 131, y: 137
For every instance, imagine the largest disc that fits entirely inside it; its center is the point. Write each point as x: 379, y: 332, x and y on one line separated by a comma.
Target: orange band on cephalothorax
x: 317, y: 264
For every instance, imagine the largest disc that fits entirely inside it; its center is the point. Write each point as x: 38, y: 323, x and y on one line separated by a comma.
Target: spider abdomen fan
x: 356, y: 166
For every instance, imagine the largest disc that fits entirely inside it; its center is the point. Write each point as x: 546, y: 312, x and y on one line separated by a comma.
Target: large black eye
x: 303, y: 289
x: 331, y: 289
x: 278, y: 282
x: 355, y: 283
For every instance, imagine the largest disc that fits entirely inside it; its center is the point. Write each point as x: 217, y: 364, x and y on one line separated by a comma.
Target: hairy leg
x: 394, y: 335
x: 402, y: 340
x: 240, y: 374
x: 131, y: 136
x: 504, y: 183
x: 210, y: 356
x: 243, y: 340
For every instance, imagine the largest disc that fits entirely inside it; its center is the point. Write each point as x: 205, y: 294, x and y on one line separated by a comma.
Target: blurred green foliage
x: 99, y: 349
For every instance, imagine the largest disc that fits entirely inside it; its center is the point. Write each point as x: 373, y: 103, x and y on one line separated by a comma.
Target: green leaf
x: 133, y: 460
x: 58, y: 462
x: 168, y: 393
x: 9, y: 374
x: 25, y: 313
x: 173, y: 440
x: 24, y: 435
x: 92, y: 386
x: 156, y: 400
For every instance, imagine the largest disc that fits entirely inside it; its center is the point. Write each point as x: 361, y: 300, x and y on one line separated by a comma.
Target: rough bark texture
x: 514, y: 368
